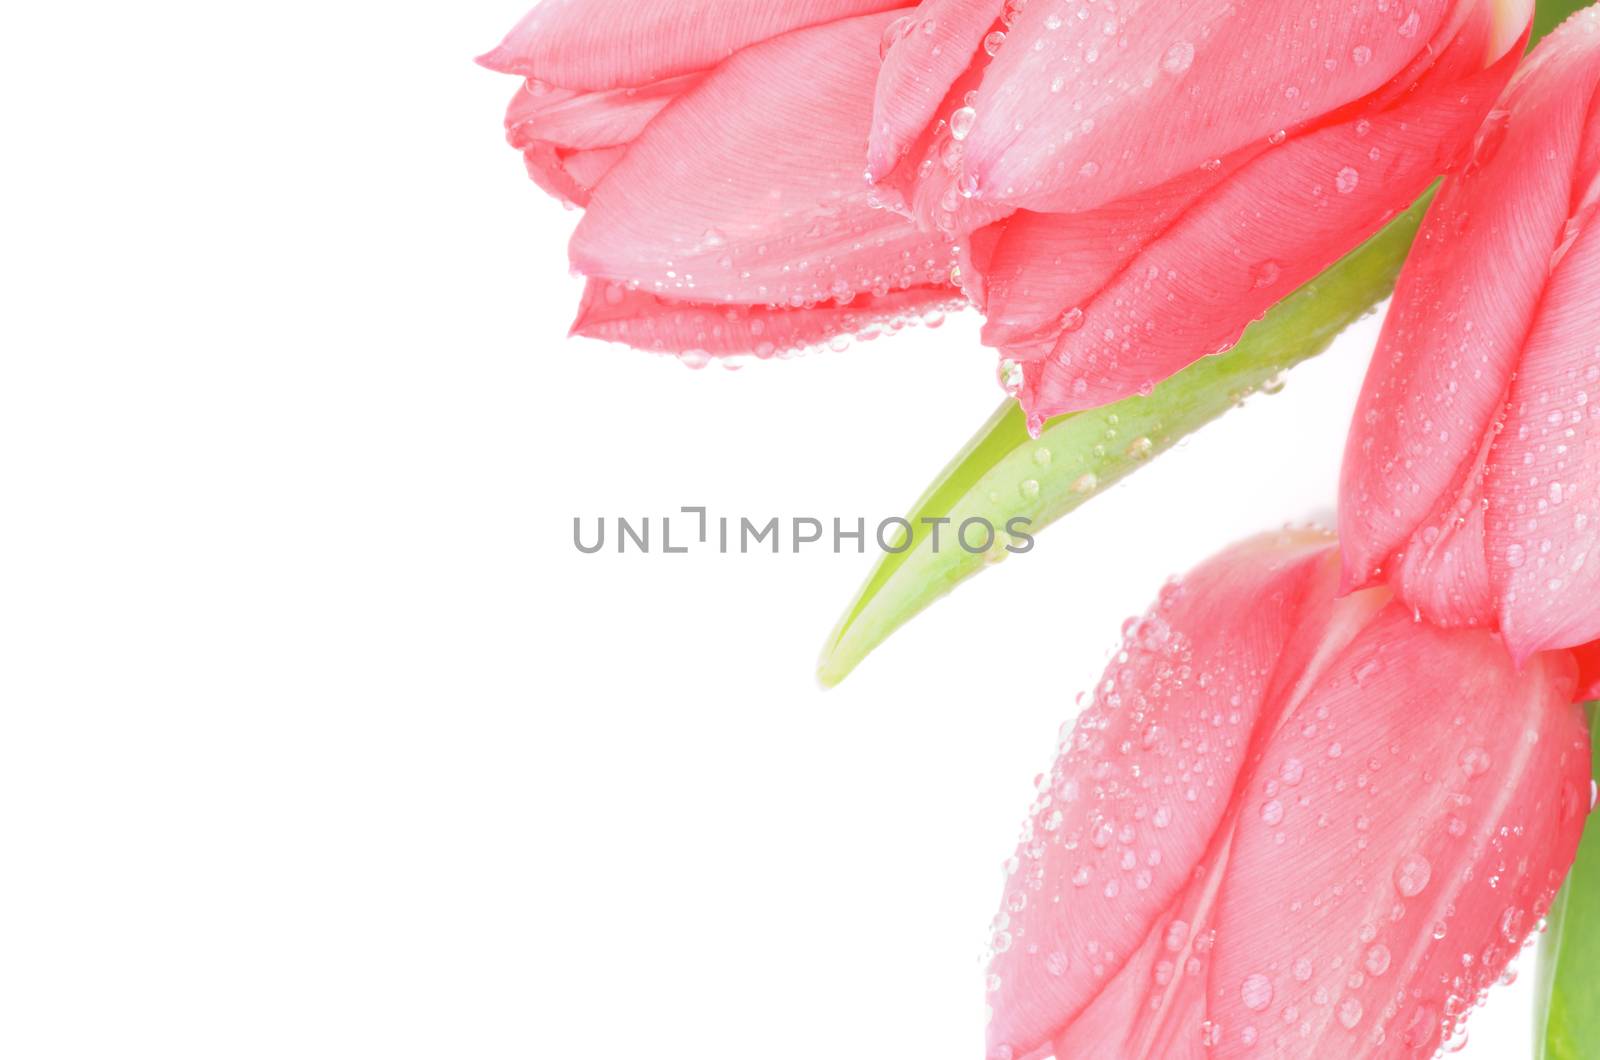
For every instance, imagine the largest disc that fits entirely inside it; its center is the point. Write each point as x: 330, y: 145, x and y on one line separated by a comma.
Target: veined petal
x: 749, y: 190
x: 1272, y: 226
x: 1044, y: 268
x: 1397, y: 840
x: 926, y: 51
x: 569, y: 175
x: 611, y: 312
x: 1154, y: 89
x: 592, y: 45
x: 1132, y: 803
x: 588, y: 119
x: 1462, y: 310
x: 1588, y: 656
x: 1543, y: 481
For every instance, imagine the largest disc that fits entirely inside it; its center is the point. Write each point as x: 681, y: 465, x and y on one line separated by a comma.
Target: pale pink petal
x: 1272, y: 226
x: 1543, y: 481
x: 925, y: 52
x: 1131, y: 806
x: 748, y: 189
x: 1398, y: 839
x: 613, y: 313
x: 569, y: 175
x: 591, y: 45
x: 1077, y: 111
x: 1461, y: 311
x: 588, y: 119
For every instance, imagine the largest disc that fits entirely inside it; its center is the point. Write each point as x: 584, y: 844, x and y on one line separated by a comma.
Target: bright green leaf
x: 1003, y: 474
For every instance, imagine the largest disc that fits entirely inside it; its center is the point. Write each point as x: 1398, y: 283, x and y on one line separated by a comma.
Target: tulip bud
x: 718, y: 148
x: 1135, y: 185
x: 1287, y: 825
x: 1472, y: 472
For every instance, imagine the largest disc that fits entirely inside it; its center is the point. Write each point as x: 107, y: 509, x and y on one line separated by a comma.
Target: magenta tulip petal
x: 613, y: 313
x: 924, y: 54
x: 749, y: 190
x: 1463, y: 306
x: 1543, y: 480
x: 1404, y: 829
x: 1265, y: 231
x: 1142, y: 783
x: 592, y: 45
x: 1153, y: 89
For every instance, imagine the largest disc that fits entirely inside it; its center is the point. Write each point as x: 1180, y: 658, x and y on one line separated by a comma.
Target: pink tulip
x: 718, y: 146
x: 1472, y: 472
x: 1288, y: 825
x: 1135, y: 184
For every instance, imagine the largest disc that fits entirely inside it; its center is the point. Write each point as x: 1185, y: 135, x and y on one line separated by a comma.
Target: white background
x: 320, y: 739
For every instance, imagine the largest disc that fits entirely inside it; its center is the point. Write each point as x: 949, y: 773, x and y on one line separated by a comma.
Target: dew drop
x: 1475, y: 761
x: 961, y: 122
x: 1178, y: 58
x: 1412, y: 875
x: 1256, y: 992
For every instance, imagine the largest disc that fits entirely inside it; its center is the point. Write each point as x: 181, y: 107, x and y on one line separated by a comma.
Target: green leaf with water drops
x: 1003, y: 474
x: 1568, y: 1023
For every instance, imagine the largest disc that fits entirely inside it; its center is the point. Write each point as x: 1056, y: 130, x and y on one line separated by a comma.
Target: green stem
x: 1567, y: 1025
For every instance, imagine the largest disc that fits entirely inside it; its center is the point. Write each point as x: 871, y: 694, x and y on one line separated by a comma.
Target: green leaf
x: 1003, y: 474
x: 1568, y: 1024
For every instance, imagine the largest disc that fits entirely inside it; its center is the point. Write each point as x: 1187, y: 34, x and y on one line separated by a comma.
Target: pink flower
x: 718, y: 146
x: 1134, y: 185
x: 1472, y: 472
x: 1287, y: 825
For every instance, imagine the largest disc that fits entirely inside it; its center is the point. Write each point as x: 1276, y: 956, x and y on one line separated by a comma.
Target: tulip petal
x: 613, y: 313
x: 592, y: 45
x: 1045, y: 266
x: 1268, y: 229
x: 1543, y: 481
x: 749, y: 191
x: 570, y: 176
x: 1442, y: 573
x: 926, y: 52
x: 588, y: 119
x: 1588, y: 656
x: 1172, y: 86
x: 1461, y: 311
x: 1400, y: 836
x: 1142, y: 782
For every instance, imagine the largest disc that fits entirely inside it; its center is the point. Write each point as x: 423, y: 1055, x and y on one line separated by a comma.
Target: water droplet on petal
x: 1412, y: 875
x: 961, y: 122
x: 1256, y: 992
